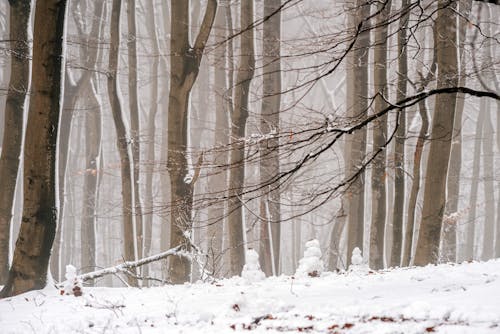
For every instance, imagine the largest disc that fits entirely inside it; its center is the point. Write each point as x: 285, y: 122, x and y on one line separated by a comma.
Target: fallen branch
x: 126, y: 266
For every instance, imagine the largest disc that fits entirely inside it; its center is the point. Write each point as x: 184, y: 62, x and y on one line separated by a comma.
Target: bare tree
x: 269, y: 149
x: 238, y: 123
x: 122, y: 141
x: 378, y: 177
x: 13, y: 123
x: 184, y: 67
x: 38, y: 227
x: 441, y: 135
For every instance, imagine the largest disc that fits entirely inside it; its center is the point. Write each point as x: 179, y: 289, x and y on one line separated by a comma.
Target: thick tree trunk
x: 399, y: 150
x: 442, y: 132
x: 238, y: 123
x: 269, y: 149
x: 129, y: 233
x: 378, y: 177
x: 38, y: 227
x: 13, y: 123
x: 184, y: 67
x: 357, y: 106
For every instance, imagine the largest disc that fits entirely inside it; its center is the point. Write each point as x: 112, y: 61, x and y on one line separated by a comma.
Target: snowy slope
x: 443, y: 299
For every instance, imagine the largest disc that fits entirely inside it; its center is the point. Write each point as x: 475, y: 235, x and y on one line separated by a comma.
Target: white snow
x: 443, y: 299
x: 311, y: 264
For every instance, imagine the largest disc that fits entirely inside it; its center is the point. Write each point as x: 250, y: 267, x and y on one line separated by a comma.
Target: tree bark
x: 357, y: 106
x: 13, y: 123
x: 237, y: 155
x: 218, y: 181
x: 399, y: 150
x: 38, y: 227
x: 129, y: 244
x: 134, y: 122
x: 184, y: 67
x: 269, y: 149
x: 442, y: 131
x: 378, y: 177
x: 489, y: 190
x: 449, y: 247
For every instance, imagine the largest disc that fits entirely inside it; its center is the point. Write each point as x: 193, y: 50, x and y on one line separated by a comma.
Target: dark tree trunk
x: 38, y: 227
x: 13, y: 123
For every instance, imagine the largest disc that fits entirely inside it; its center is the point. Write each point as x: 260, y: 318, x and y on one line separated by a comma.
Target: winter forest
x: 158, y: 144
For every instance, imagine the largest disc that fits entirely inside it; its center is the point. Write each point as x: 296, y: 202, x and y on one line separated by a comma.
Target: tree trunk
x: 471, y: 219
x: 378, y: 176
x: 218, y: 181
x: 129, y: 233
x: 442, y: 131
x: 134, y: 122
x: 184, y: 67
x: 269, y: 149
x: 357, y: 106
x: 13, y: 123
x: 38, y: 227
x: 399, y: 150
x: 151, y: 134
x: 238, y: 123
x: 489, y: 191
x: 449, y: 247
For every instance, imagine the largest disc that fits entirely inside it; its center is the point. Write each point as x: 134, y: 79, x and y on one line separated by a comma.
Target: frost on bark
x: 184, y: 66
x: 13, y: 123
x: 237, y: 155
x: 38, y: 227
x: 441, y: 136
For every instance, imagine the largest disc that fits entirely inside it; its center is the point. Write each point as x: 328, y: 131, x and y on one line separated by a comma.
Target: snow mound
x: 73, y: 284
x: 311, y: 264
x: 251, y: 270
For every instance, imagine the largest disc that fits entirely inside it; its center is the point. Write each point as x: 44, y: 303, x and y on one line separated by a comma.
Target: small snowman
x: 311, y: 264
x: 251, y: 270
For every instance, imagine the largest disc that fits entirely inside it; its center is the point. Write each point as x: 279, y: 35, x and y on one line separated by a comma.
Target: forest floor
x: 461, y: 298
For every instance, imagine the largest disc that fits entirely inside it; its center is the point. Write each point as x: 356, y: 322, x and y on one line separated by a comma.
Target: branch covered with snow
x: 126, y: 266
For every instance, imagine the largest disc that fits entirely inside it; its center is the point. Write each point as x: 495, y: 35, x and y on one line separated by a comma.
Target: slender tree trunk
x: 357, y: 106
x: 151, y: 134
x: 489, y: 191
x: 449, y: 247
x: 442, y: 131
x: 378, y: 177
x: 238, y: 123
x: 184, y: 67
x: 129, y: 244
x: 13, y: 123
x: 217, y: 182
x: 399, y: 150
x: 471, y: 219
x: 134, y: 122
x: 38, y: 227
x: 269, y: 149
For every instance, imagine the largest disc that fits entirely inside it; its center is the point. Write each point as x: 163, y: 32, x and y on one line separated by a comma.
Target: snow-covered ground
x: 443, y: 299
